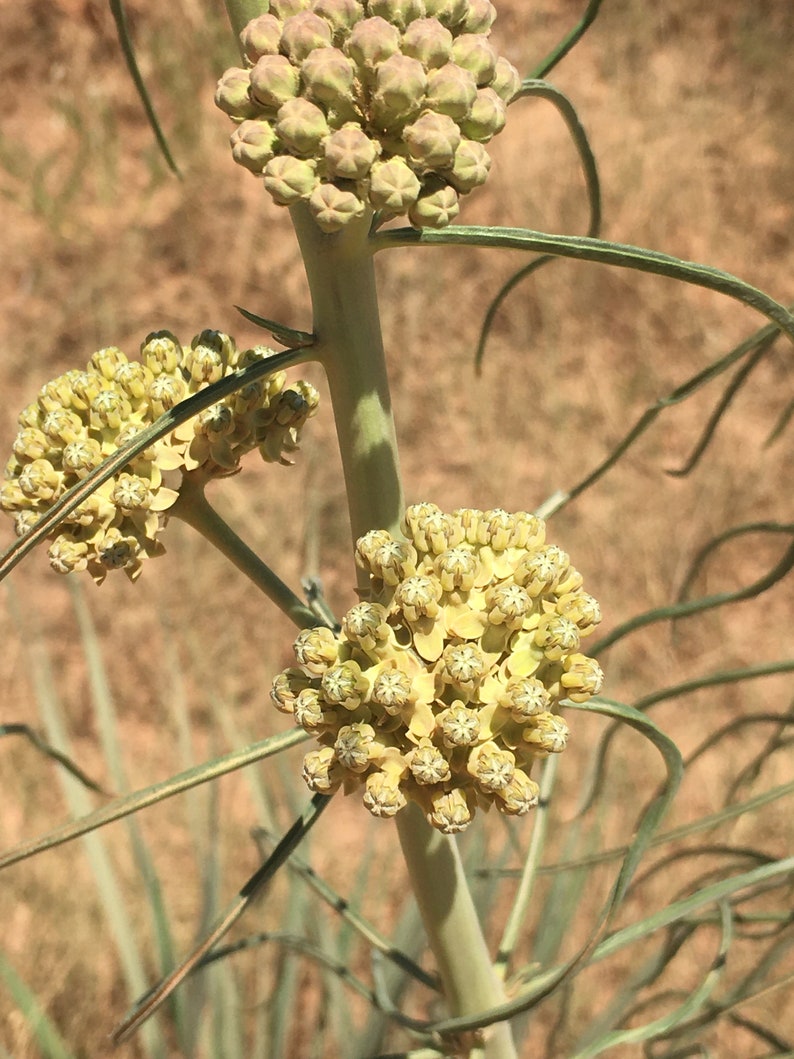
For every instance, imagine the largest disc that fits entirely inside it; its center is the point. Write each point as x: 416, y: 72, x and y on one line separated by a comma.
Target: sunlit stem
x: 193, y: 508
x: 349, y: 344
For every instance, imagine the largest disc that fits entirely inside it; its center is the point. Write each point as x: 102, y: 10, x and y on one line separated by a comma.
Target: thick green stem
x: 241, y: 12
x: 349, y: 344
x: 193, y: 508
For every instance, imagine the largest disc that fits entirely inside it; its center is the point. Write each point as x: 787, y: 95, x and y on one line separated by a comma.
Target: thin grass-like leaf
x: 155, y: 997
x: 346, y: 910
x: 716, y: 542
x: 543, y: 985
x: 698, y: 606
x: 590, y: 170
x: 120, y: 18
x: 583, y: 248
x: 697, y: 998
x: 558, y: 53
x: 157, y: 792
x: 731, y: 390
x: 167, y: 422
x: 42, y: 1029
x: 41, y: 744
x: 783, y: 421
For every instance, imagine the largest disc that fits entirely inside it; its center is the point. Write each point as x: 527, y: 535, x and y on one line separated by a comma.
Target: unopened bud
x: 341, y: 16
x: 428, y: 41
x: 349, y: 153
x: 261, y: 37
x: 333, y: 207
x: 400, y: 84
x: 232, y: 95
x: 451, y: 90
x: 328, y: 75
x: 274, y: 80
x: 474, y: 53
x: 393, y: 186
x: 480, y: 16
x: 433, y: 140
x: 371, y: 42
x: 302, y: 34
x: 506, y: 80
x: 302, y: 126
x: 398, y: 12
x: 486, y: 118
x: 470, y: 166
x: 253, y: 144
x: 436, y: 207
x: 450, y: 13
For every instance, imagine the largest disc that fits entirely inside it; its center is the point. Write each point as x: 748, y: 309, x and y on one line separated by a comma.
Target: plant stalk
x: 193, y: 508
x: 349, y: 344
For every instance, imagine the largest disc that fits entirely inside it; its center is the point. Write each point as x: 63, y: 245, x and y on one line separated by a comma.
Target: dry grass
x: 690, y: 112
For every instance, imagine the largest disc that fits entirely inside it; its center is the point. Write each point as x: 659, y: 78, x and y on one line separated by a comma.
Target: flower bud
x: 301, y: 126
x: 328, y: 75
x: 303, y: 33
x: 450, y: 812
x: 428, y: 41
x: 547, y: 733
x: 349, y: 153
x: 371, y: 42
x: 491, y: 767
x: 474, y: 52
x: 400, y: 84
x: 289, y: 179
x: 161, y: 352
x: 322, y: 773
x: 106, y: 361
x: 450, y: 13
x: 261, y: 37
x: 470, y: 166
x: 433, y: 140
x: 393, y: 186
x: 81, y: 457
x: 285, y: 9
x: 383, y: 797
x: 333, y: 207
x: 451, y: 90
x: 519, y: 796
x: 356, y: 746
x: 274, y: 80
x: 506, y: 80
x: 316, y: 649
x: 232, y: 95
x: 486, y: 117
x: 67, y: 555
x: 341, y: 16
x: 398, y: 12
x: 480, y: 17
x: 253, y: 144
x: 436, y: 207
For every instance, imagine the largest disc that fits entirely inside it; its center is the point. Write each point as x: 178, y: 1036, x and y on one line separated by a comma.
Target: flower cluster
x: 387, y: 104
x: 441, y: 687
x: 82, y: 417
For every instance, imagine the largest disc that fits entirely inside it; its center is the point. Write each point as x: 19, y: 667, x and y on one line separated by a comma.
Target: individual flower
x: 443, y: 684
x: 82, y: 417
x: 416, y: 87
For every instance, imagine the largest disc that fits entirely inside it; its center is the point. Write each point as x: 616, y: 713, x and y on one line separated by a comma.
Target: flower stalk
x: 340, y: 272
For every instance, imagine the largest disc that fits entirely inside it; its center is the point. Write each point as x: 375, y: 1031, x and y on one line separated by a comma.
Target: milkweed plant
x: 448, y: 691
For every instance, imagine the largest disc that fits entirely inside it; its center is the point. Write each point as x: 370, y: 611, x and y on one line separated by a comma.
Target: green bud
x: 328, y: 75
x: 371, y: 42
x: 285, y: 9
x: 333, y: 207
x: 261, y: 37
x: 400, y: 84
x: 398, y: 12
x: 274, y: 80
x: 487, y: 116
x: 252, y: 144
x: 134, y: 378
x: 450, y: 13
x: 349, y: 153
x: 480, y: 17
x: 289, y: 179
x: 106, y: 361
x: 451, y: 90
x: 470, y: 166
x: 506, y: 80
x: 474, y: 53
x: 341, y: 16
x: 428, y: 41
x: 302, y: 34
x: 393, y: 186
x: 432, y: 140
x: 436, y: 206
x: 302, y: 126
x: 232, y: 96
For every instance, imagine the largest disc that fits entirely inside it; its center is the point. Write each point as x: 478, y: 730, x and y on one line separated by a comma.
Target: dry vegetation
x: 689, y: 106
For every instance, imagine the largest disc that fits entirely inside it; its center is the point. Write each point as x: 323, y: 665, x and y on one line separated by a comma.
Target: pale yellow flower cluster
x: 382, y: 104
x: 82, y: 417
x: 442, y: 686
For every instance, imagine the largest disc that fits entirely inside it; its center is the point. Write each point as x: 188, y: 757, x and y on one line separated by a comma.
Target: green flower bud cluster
x: 442, y: 685
x: 356, y: 104
x: 82, y: 417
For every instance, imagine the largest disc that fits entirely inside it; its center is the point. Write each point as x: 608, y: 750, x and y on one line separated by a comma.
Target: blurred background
x: 689, y: 107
